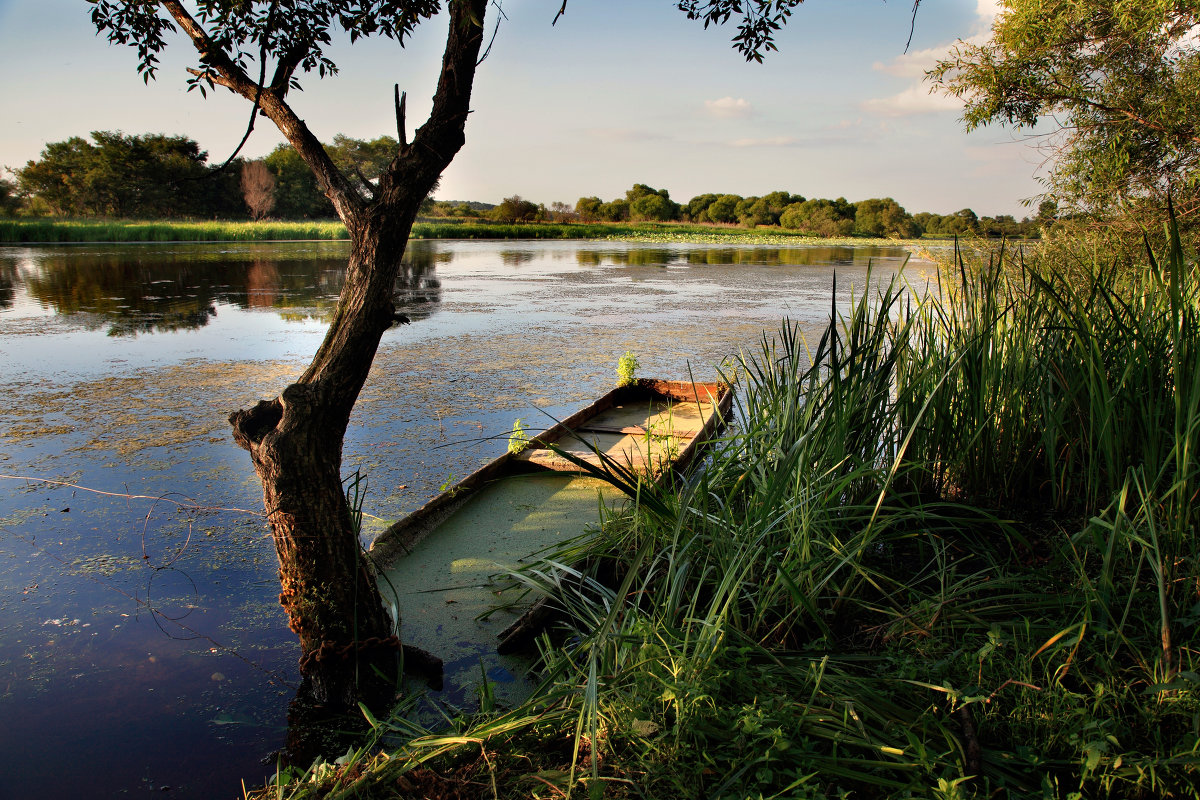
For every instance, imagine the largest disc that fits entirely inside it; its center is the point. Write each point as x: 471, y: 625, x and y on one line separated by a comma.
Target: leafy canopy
x: 1121, y: 78
x: 295, y: 32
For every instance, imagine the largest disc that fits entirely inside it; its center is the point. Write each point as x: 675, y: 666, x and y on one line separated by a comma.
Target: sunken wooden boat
x: 651, y: 427
x: 438, y: 564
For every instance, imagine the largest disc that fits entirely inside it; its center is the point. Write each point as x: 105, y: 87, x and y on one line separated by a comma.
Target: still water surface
x: 142, y: 648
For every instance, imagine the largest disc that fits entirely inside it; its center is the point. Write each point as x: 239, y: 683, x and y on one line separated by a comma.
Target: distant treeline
x: 154, y: 176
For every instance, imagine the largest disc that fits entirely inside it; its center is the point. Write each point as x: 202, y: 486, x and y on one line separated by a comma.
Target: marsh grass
x: 947, y: 551
x: 55, y: 230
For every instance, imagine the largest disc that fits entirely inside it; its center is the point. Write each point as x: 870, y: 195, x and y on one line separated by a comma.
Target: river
x: 142, y: 647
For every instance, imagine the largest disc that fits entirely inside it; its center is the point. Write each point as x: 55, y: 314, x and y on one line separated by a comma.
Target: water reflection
x: 8, y: 280
x: 131, y: 292
x: 725, y: 255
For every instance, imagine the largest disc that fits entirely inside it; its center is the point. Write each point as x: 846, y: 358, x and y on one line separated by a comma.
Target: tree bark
x: 349, y: 650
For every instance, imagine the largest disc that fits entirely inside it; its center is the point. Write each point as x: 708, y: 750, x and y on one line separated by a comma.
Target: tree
x: 819, y: 217
x: 588, y: 208
x: 515, y: 209
x: 883, y: 217
x: 696, y: 209
x: 1120, y: 81
x: 615, y: 210
x: 118, y: 175
x: 723, y: 209
x: 295, y: 440
x: 562, y: 212
x: 9, y: 203
x: 767, y: 209
x: 297, y: 195
x: 258, y: 188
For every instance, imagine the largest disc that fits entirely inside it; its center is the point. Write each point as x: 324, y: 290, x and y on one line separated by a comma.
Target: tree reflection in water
x: 8, y: 280
x: 130, y: 293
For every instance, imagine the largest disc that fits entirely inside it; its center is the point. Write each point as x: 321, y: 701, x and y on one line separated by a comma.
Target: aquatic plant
x: 518, y: 440
x: 627, y: 366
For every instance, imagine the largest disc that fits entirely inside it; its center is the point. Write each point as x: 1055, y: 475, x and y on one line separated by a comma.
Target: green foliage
x: 515, y: 209
x: 882, y: 218
x: 118, y: 175
x: 297, y: 195
x: 653, y: 207
x: 248, y: 28
x: 1120, y: 79
x: 723, y: 209
x: 362, y: 160
x: 820, y: 217
x: 518, y: 440
x: 9, y: 202
x: 588, y: 208
x: 627, y: 367
x: 615, y: 211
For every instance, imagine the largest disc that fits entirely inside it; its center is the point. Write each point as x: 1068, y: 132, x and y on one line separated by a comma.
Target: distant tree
x: 648, y: 203
x: 1001, y: 226
x: 258, y: 188
x: 642, y: 190
x: 117, y: 175
x: 766, y: 210
x: 924, y: 220
x: 363, y: 160
x: 742, y: 210
x: 515, y: 209
x: 723, y: 209
x: 562, y: 212
x: 615, y: 211
x: 696, y: 209
x: 297, y: 195
x: 653, y: 207
x: 819, y: 217
x: 1047, y: 211
x: 9, y: 202
x: 883, y: 217
x: 588, y: 208
x: 963, y: 221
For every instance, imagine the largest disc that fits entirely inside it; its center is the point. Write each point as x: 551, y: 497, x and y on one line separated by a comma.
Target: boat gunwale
x: 401, y: 537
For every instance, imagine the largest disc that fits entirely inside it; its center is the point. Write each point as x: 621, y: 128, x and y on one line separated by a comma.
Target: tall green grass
x: 15, y: 231
x: 947, y: 551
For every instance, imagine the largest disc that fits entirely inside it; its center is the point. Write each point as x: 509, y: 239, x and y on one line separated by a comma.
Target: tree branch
x: 401, y: 135
x: 222, y: 70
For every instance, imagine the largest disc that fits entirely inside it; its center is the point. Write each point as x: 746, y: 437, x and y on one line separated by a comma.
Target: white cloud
x: 774, y: 141
x: 912, y: 65
x: 987, y: 11
x: 624, y: 134
x: 913, y: 100
x: 729, y: 108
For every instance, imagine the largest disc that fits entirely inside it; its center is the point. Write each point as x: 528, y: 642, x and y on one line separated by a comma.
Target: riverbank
x: 59, y: 231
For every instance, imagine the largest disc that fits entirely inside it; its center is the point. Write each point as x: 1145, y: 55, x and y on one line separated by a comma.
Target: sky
x: 617, y: 92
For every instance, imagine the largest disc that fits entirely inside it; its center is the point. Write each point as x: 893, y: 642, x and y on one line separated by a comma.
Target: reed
x: 946, y: 551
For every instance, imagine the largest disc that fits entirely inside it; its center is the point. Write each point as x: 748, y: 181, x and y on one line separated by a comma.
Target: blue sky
x: 618, y: 92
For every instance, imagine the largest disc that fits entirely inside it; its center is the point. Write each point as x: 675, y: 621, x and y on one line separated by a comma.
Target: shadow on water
x: 162, y: 291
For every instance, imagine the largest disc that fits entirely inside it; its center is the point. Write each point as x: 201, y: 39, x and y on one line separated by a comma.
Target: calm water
x: 142, y: 647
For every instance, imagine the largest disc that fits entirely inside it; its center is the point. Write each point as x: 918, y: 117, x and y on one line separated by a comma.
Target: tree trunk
x: 349, y: 647
x: 295, y: 442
